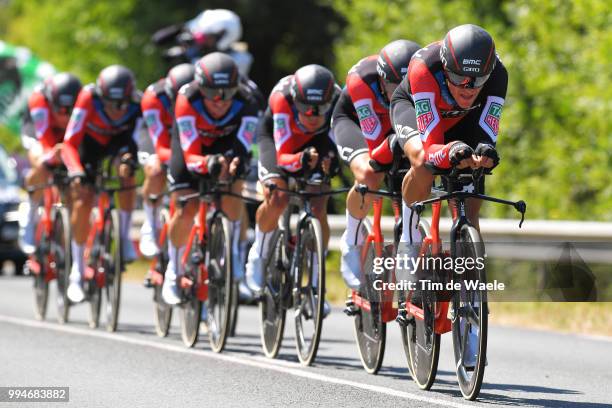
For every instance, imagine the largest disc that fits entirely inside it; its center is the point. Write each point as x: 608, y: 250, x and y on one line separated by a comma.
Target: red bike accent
x: 202, y: 290
x: 101, y: 279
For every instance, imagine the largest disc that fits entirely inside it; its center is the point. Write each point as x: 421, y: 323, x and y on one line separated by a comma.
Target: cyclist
x: 158, y: 113
x: 211, y: 30
x: 362, y: 128
x: 105, y: 122
x: 216, y: 116
x: 446, y: 113
x: 293, y: 135
x: 49, y: 109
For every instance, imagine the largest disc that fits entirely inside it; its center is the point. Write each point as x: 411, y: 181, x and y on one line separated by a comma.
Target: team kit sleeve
x: 281, y: 132
x: 189, y: 136
x: 490, y: 116
x: 154, y: 112
x: 76, y: 131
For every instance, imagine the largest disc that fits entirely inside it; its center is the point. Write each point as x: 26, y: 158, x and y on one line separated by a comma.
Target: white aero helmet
x: 217, y: 22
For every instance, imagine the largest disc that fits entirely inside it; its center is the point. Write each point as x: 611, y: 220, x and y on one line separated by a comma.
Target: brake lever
x: 521, y: 207
x: 363, y: 190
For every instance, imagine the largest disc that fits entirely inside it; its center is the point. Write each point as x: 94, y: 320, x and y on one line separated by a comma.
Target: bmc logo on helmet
x: 468, y: 61
x: 115, y: 93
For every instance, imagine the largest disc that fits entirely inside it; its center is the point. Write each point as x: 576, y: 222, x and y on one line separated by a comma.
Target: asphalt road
x: 135, y: 368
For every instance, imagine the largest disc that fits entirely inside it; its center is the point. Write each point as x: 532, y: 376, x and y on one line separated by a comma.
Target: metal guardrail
x: 537, y: 240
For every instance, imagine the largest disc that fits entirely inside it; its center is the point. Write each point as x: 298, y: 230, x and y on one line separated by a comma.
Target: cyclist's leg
x: 268, y: 213
x: 181, y: 183
x: 38, y: 174
x: 154, y: 184
x: 82, y: 198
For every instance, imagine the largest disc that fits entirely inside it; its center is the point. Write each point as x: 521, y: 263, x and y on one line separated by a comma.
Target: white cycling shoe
x: 170, y: 292
x: 75, y: 291
x: 148, y: 244
x: 350, y: 264
x: 254, y: 271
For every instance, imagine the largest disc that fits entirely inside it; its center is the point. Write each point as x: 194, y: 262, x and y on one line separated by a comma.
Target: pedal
x: 402, y: 315
x: 351, y: 309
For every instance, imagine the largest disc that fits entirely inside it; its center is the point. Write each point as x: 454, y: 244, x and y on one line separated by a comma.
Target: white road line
x: 287, y: 367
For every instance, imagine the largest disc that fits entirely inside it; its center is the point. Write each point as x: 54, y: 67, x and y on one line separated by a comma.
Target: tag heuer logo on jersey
x: 280, y: 128
x: 367, y: 119
x: 40, y: 118
x: 493, y: 116
x: 186, y: 128
x: 152, y: 122
x: 249, y: 132
x: 424, y: 114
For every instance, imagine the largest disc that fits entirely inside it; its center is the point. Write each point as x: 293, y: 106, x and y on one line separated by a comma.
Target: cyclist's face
x: 311, y: 123
x: 60, y: 119
x: 217, y: 108
x: 465, y: 97
x: 389, y: 88
x: 114, y: 110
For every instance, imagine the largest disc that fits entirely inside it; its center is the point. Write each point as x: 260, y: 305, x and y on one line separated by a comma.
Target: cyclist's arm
x: 495, y: 89
x: 75, y: 133
x: 277, y: 125
x: 415, y: 111
x: 154, y: 114
x: 191, y: 142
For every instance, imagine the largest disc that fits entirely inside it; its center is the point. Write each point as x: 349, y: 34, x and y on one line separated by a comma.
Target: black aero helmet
x: 177, y: 77
x: 61, y: 90
x: 115, y: 83
x: 313, y: 88
x: 469, y: 51
x: 217, y: 76
x: 393, y: 59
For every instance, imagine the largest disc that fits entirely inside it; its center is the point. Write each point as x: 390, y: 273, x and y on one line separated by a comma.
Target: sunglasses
x: 313, y: 110
x: 115, y: 104
x: 62, y: 110
x: 465, y: 81
x: 219, y: 94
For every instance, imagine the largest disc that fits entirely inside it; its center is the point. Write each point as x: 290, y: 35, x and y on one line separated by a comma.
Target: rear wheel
x: 163, y: 311
x: 112, y: 266
x: 191, y: 309
x: 421, y: 343
x: 470, y: 322
x: 370, y: 329
x: 91, y: 288
x: 219, y: 281
x: 234, y: 306
x: 309, y: 292
x: 271, y: 306
x: 63, y: 261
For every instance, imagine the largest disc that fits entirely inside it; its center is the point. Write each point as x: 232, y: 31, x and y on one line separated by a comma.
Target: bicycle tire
x: 421, y: 343
x: 41, y: 285
x: 234, y: 307
x: 471, y: 241
x: 112, y: 266
x: 271, y: 309
x: 220, y: 279
x: 63, y: 260
x: 191, y: 309
x: 91, y: 288
x: 162, y: 311
x: 311, y: 243
x: 370, y: 330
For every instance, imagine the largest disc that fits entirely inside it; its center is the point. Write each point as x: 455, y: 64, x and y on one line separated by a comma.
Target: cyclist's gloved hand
x: 379, y: 167
x: 486, y: 150
x: 458, y: 152
x: 214, y: 165
x: 310, y: 157
x: 237, y: 167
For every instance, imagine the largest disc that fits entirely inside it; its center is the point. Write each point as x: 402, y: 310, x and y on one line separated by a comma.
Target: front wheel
x: 41, y: 284
x: 421, y: 342
x: 370, y: 329
x: 219, y: 281
x: 112, y: 266
x: 63, y: 261
x: 309, y: 291
x: 191, y: 309
x: 271, y: 306
x: 163, y: 311
x: 470, y: 318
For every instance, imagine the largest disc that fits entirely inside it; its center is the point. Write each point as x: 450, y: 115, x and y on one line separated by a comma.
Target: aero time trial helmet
x: 217, y: 76
x: 178, y: 76
x: 115, y: 85
x: 313, y: 88
x: 393, y: 59
x: 61, y: 90
x: 468, y: 55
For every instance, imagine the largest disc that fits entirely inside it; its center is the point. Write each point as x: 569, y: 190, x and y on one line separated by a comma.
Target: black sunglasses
x: 465, y: 81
